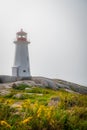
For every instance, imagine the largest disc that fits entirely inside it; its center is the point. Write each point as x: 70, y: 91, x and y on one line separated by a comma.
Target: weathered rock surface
x: 60, y: 84
x: 4, y: 92
x: 18, y: 95
x: 46, y: 83
x: 54, y: 101
x: 71, y: 86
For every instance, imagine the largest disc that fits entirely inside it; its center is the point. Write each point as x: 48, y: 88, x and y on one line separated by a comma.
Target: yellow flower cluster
x: 41, y: 110
x: 4, y: 123
x: 36, y: 105
x: 45, y: 111
x: 26, y: 103
x: 26, y: 120
x: 9, y: 101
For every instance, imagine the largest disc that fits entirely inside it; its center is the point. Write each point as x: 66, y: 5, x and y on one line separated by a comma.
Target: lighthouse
x: 21, y: 67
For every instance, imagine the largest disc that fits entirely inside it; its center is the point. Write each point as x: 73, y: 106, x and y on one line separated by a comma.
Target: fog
x: 57, y: 30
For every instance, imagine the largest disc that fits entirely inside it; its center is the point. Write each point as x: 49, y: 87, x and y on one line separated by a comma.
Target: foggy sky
x: 57, y: 30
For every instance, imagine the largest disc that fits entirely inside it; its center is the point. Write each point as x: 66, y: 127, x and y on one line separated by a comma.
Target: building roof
x: 21, y: 32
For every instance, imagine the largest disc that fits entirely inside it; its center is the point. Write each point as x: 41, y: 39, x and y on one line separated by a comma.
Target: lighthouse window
x: 24, y: 70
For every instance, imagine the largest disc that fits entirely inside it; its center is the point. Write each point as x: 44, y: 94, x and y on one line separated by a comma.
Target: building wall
x: 8, y: 79
x: 5, y: 79
x: 21, y: 61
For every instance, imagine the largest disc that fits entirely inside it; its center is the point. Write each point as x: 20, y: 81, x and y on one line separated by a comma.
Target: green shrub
x: 21, y: 87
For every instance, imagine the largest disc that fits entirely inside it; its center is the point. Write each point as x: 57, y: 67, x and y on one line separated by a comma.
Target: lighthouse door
x: 15, y: 71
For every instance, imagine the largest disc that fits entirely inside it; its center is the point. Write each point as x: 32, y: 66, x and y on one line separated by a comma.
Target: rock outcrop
x: 46, y: 83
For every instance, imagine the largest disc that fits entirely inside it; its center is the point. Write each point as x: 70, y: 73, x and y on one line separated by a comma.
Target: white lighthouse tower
x: 21, y: 66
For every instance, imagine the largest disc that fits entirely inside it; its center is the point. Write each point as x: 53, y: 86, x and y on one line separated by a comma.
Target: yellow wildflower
x: 9, y: 101
x: 26, y: 120
x: 48, y: 115
x: 36, y: 104
x: 4, y: 123
x: 40, y: 110
x: 52, y: 123
x: 26, y: 104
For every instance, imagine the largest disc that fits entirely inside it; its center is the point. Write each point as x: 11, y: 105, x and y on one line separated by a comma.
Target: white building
x: 21, y: 67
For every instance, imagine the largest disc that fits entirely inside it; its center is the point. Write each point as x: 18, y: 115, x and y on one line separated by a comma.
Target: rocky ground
x: 45, y: 83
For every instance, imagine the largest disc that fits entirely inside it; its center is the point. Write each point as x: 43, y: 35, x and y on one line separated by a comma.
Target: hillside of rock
x: 46, y: 83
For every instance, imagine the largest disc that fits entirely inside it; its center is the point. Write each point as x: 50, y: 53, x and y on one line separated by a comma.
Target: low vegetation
x: 36, y: 108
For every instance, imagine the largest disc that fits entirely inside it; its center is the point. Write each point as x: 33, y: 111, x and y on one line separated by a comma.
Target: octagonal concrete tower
x: 21, y: 66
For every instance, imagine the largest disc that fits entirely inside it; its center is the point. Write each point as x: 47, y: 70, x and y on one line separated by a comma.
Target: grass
x: 32, y: 112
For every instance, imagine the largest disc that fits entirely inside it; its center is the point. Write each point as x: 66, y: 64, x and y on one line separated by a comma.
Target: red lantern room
x: 21, y: 36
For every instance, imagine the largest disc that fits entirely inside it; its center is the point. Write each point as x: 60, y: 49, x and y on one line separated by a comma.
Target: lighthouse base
x: 9, y: 79
x: 20, y: 72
